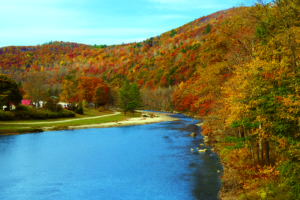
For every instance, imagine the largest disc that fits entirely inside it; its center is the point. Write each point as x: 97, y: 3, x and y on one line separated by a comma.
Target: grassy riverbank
x: 90, y: 116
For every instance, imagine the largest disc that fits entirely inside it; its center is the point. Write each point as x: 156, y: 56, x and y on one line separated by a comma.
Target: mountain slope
x: 166, y: 60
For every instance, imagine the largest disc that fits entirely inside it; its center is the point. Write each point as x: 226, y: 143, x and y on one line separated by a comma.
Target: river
x: 142, y: 162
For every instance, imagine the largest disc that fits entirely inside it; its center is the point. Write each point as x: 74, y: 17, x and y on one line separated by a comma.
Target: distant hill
x: 237, y: 69
x: 176, y: 60
x: 164, y: 61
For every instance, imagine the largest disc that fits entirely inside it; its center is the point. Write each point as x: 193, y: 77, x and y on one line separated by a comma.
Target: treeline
x: 248, y: 93
x: 237, y: 69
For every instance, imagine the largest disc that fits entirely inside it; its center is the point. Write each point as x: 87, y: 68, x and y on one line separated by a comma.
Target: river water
x: 123, y: 163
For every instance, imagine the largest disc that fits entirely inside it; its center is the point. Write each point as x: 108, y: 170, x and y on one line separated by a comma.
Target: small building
x: 63, y: 104
x: 26, y: 102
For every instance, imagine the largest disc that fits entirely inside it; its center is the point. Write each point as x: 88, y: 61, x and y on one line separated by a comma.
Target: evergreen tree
x: 135, y: 98
x: 9, y: 92
x: 207, y: 29
x: 56, y: 92
x: 130, y: 97
x: 48, y: 92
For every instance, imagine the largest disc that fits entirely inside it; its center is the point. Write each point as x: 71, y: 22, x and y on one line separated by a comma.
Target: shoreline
x: 159, y: 117
x: 147, y: 117
x: 225, y: 192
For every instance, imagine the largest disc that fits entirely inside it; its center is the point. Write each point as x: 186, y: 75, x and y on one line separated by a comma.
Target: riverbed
x: 151, y: 161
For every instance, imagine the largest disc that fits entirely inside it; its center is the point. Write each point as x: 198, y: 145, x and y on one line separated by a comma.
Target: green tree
x: 124, y: 98
x: 130, y: 97
x: 135, y: 100
x: 9, y: 92
x: 207, y: 29
x: 173, y: 33
x: 52, y: 104
x: 48, y: 92
x: 56, y: 92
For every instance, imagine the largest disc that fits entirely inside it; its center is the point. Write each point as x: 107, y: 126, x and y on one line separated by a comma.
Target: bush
x: 101, y: 109
x: 291, y: 176
x: 52, y: 104
x: 54, y: 114
x: 37, y: 114
x: 26, y: 112
x: 21, y: 107
x: 6, y: 115
x: 68, y: 113
x: 21, y: 114
x: 79, y: 109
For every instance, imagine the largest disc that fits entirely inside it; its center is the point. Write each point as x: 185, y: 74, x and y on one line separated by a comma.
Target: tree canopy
x: 101, y: 95
x: 9, y: 92
x: 129, y: 97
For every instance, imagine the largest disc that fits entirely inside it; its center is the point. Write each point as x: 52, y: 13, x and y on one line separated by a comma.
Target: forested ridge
x: 237, y: 69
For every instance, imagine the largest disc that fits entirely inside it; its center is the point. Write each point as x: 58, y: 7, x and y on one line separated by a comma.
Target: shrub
x: 26, y: 112
x: 6, y: 115
x: 52, y: 104
x: 79, y: 109
x: 101, y: 109
x: 54, y: 114
x: 289, y: 170
x: 21, y: 107
x: 21, y: 114
x: 37, y: 114
x: 68, y: 113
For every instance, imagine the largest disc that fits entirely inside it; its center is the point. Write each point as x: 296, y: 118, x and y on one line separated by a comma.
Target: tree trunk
x: 261, y: 150
x: 267, y: 149
x: 257, y: 152
x: 251, y: 147
x: 252, y: 153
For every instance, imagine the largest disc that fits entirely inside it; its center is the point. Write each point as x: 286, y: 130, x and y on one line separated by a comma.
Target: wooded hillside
x: 238, y: 69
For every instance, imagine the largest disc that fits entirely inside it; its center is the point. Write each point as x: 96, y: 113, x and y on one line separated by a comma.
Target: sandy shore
x: 147, y: 118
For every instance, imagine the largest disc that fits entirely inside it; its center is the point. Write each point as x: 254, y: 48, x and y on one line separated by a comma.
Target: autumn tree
x: 9, y: 92
x: 68, y: 90
x: 158, y: 99
x: 113, y: 96
x: 86, y: 87
x: 35, y: 87
x: 52, y: 104
x: 100, y: 95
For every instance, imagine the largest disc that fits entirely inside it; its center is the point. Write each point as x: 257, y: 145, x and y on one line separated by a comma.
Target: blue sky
x: 33, y: 22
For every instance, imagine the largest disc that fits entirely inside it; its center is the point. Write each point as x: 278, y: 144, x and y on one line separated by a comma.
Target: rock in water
x: 193, y: 134
x: 206, y: 139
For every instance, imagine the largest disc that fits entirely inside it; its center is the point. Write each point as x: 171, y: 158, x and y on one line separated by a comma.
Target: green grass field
x: 25, y: 126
